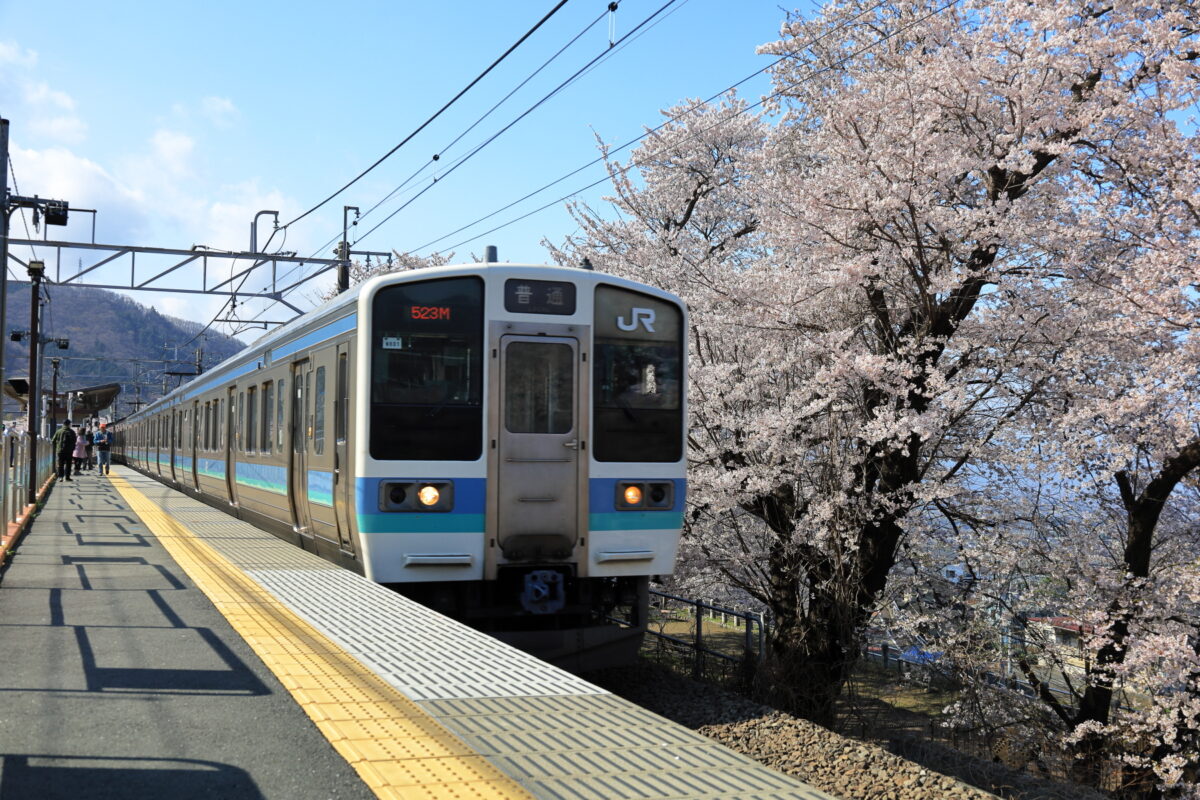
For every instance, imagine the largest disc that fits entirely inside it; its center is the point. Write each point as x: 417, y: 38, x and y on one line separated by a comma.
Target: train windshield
x: 637, y: 378
x: 427, y: 371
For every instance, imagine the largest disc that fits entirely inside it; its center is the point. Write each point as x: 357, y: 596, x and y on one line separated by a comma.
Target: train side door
x: 343, y: 473
x: 301, y: 421
x: 538, y: 447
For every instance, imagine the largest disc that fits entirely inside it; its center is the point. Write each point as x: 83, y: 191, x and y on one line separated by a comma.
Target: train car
x: 502, y: 443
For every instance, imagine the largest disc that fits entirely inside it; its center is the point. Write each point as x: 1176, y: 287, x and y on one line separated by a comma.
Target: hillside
x: 113, y: 339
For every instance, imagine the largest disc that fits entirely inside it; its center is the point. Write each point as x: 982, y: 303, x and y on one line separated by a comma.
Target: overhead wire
x: 468, y: 156
x: 17, y: 190
x: 442, y: 150
x: 436, y: 114
x: 773, y: 95
x: 404, y: 141
x: 669, y: 121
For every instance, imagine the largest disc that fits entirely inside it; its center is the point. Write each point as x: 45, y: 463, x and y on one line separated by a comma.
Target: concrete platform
x: 152, y: 641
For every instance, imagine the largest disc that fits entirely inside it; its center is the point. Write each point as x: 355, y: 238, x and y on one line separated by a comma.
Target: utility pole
x: 3, y: 245
x: 343, y: 251
x: 36, y: 270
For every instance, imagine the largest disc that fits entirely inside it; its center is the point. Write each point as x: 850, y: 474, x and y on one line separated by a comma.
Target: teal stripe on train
x: 417, y: 522
x: 637, y: 521
x: 267, y: 477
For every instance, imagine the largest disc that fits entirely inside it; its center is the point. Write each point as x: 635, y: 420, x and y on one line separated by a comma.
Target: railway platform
x: 153, y: 646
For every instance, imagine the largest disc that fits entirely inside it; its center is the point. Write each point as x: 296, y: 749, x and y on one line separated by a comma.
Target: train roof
x: 349, y: 299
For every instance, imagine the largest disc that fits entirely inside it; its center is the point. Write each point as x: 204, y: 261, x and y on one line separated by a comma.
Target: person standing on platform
x: 103, y: 442
x: 64, y: 447
x: 89, y: 437
x: 80, y: 452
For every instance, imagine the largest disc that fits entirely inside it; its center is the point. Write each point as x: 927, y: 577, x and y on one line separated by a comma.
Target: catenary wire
x: 654, y: 130
x: 639, y: 138
x: 775, y: 94
x: 608, y: 11
x: 436, y: 114
x: 442, y: 151
x: 463, y: 159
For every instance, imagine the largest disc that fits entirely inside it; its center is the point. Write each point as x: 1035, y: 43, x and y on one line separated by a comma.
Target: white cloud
x: 220, y: 111
x: 58, y: 173
x: 38, y: 94
x: 13, y: 53
x: 173, y: 150
x: 71, y: 130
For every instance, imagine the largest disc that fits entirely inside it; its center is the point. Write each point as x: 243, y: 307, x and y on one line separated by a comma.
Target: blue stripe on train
x: 604, y: 516
x: 470, y: 501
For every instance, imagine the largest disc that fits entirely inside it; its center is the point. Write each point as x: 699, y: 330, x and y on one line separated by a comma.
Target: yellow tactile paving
x: 397, y: 749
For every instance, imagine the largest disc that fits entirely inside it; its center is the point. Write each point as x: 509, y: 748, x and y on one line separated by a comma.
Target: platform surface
x: 151, y: 640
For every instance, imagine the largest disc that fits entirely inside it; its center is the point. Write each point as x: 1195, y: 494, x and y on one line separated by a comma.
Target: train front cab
x: 569, y: 392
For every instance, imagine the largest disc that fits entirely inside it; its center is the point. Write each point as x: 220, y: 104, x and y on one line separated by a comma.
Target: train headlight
x: 645, y: 495
x: 410, y: 495
x: 429, y: 495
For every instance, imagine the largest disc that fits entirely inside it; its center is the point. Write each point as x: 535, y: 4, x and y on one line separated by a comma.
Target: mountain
x: 113, y: 339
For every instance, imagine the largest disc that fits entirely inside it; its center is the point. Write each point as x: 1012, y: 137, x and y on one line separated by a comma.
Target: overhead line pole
x: 3, y: 243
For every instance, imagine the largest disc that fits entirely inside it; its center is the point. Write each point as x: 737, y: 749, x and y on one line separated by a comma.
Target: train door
x: 320, y: 387
x: 343, y: 473
x: 301, y: 433
x: 230, y: 445
x: 538, y: 447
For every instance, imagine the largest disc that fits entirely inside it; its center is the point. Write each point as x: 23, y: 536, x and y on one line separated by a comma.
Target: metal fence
x: 14, y: 472
x: 711, y: 641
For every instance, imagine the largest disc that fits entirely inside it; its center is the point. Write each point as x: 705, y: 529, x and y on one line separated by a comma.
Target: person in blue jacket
x: 102, y: 441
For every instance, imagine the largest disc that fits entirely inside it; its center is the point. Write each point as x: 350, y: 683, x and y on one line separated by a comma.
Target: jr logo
x: 638, y: 316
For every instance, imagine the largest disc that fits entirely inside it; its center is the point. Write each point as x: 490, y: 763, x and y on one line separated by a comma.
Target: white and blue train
x: 503, y: 443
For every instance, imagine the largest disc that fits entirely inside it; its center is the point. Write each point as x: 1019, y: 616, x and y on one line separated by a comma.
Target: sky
x: 178, y: 122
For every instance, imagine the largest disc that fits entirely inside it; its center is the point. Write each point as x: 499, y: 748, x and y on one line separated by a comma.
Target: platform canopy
x: 87, y: 400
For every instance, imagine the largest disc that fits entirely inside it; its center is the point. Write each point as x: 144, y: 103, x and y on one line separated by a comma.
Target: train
x: 502, y: 443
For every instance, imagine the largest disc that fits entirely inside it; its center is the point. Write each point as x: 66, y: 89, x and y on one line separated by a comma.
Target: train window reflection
x: 319, y: 413
x: 539, y: 388
x: 427, y: 371
x: 637, y: 371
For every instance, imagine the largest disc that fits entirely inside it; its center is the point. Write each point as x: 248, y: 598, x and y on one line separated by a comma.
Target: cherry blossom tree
x: 890, y: 276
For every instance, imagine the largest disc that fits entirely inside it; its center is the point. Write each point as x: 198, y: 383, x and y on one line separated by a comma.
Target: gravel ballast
x: 841, y: 766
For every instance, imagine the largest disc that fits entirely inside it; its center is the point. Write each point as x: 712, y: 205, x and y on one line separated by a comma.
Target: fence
x: 711, y: 641
x: 14, y: 472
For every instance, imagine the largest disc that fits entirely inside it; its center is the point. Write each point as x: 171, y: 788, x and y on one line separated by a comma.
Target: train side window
x: 637, y: 377
x: 279, y: 421
x: 268, y: 415
x: 251, y: 419
x: 241, y: 419
x: 308, y: 417
x: 342, y: 405
x: 319, y: 413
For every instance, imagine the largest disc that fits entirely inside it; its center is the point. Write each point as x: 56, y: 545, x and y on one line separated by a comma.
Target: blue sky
x: 179, y: 121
